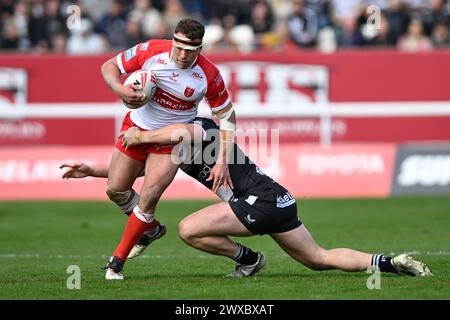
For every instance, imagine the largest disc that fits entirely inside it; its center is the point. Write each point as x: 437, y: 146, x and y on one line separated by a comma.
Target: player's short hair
x: 190, y: 28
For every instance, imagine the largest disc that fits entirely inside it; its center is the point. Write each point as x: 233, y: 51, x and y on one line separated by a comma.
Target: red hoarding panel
x: 33, y: 173
x: 65, y: 131
x: 353, y: 129
x: 353, y: 75
x: 307, y: 171
x: 338, y: 171
x: 289, y: 130
x: 395, y: 129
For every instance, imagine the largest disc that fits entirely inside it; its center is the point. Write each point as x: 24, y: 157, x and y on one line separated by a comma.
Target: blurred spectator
x: 281, y: 9
x: 437, y: 12
x: 242, y: 38
x: 6, y: 9
x: 194, y: 8
x: 302, y: 24
x: 20, y: 17
x: 346, y: 9
x: 10, y: 37
x: 326, y: 40
x: 134, y: 33
x: 84, y: 41
x: 441, y: 35
x: 243, y: 25
x: 262, y: 23
x: 59, y: 42
x: 113, y: 26
x: 150, y: 19
x: 261, y: 17
x: 349, y: 32
x: 173, y: 12
x: 44, y: 23
x: 97, y: 9
x: 415, y: 40
x: 229, y: 13
x: 214, y: 34
x: 398, y: 18
x: 378, y: 36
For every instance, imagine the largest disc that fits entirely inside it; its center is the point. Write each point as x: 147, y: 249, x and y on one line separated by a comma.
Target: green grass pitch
x: 39, y: 240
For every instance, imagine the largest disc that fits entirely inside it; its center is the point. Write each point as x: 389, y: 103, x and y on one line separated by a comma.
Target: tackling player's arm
x: 227, y: 125
x: 111, y: 74
x: 171, y: 134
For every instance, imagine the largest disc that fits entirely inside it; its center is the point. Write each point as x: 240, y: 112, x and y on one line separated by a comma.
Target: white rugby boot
x: 245, y: 270
x: 406, y: 265
x: 147, y: 238
x: 114, y: 269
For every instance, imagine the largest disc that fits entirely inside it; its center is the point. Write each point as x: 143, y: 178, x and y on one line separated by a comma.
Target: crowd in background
x: 243, y: 25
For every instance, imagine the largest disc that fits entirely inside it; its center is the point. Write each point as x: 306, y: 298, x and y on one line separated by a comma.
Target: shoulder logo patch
x: 130, y: 53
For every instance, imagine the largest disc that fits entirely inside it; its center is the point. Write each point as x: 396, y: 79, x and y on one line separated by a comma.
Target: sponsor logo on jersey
x: 197, y: 76
x: 251, y: 199
x: 161, y: 61
x: 170, y: 101
x: 130, y: 53
x: 249, y: 219
x: 174, y: 76
x: 284, y: 201
x: 221, y: 93
x: 188, y: 92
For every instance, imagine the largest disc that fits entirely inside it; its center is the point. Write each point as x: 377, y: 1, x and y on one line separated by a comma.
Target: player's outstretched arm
x: 81, y: 170
x: 171, y: 134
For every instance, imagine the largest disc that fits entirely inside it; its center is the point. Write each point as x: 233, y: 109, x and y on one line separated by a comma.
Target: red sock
x: 133, y: 231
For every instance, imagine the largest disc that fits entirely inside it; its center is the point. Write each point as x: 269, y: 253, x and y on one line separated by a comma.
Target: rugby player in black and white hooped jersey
x: 256, y: 205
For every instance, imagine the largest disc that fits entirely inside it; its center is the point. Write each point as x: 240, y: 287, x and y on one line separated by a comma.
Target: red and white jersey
x: 179, y: 91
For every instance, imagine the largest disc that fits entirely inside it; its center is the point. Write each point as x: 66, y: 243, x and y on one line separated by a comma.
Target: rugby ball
x: 145, y: 81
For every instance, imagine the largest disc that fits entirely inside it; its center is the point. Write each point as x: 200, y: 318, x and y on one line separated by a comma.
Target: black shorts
x: 267, y: 209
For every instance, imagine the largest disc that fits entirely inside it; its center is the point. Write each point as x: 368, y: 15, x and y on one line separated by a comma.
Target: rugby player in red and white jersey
x: 184, y: 77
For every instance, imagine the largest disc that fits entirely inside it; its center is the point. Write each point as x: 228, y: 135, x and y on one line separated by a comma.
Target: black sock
x: 245, y: 255
x: 383, y: 263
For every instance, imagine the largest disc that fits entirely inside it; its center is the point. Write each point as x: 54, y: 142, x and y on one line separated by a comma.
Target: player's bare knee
x: 126, y: 200
x: 185, y: 231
